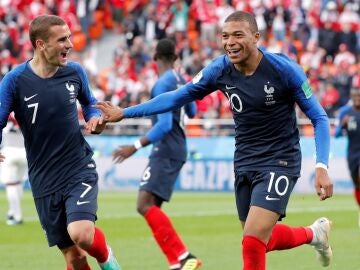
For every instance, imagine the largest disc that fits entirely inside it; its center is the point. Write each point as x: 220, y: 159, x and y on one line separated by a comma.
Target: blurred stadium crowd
x: 322, y: 36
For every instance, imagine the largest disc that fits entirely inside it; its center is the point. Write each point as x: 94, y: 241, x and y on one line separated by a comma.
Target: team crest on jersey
x: 197, y: 77
x: 71, y: 88
x: 269, y: 98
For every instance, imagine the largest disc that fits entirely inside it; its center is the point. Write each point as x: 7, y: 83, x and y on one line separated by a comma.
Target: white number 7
x: 88, y: 187
x: 35, y: 105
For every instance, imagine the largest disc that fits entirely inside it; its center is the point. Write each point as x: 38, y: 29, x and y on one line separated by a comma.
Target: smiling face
x: 50, y: 37
x: 239, y: 41
x: 58, y: 45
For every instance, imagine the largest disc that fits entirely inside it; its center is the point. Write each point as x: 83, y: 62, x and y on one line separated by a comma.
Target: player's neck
x: 41, y: 68
x: 249, y: 66
x: 163, y: 67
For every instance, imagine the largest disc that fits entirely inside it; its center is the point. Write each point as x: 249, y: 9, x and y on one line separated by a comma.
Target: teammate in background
x: 13, y: 171
x: 166, y: 160
x: 43, y: 92
x: 349, y: 121
x: 262, y: 89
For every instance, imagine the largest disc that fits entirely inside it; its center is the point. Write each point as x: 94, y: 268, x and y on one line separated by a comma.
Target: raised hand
x: 109, y: 112
x: 95, y: 125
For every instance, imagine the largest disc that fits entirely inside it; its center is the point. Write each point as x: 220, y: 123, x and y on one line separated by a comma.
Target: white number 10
x: 276, y: 184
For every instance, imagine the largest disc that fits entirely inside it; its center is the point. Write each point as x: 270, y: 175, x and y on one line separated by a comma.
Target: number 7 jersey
x: 46, y: 111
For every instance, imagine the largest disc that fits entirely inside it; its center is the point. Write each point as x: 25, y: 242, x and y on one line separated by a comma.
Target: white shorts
x: 14, y: 167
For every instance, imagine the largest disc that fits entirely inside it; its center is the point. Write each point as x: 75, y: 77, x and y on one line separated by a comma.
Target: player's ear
x: 40, y: 44
x: 257, y: 36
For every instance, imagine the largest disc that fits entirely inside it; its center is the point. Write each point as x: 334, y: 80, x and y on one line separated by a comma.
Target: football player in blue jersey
x: 43, y: 92
x: 349, y: 122
x: 262, y: 89
x: 166, y: 160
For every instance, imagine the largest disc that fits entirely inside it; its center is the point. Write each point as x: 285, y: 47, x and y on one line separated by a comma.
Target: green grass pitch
x: 207, y: 223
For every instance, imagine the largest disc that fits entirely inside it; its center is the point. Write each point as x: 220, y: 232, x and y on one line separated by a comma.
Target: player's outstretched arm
x: 110, y: 112
x: 323, y: 184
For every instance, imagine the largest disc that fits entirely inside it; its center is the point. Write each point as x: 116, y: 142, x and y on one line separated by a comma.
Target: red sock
x: 85, y: 267
x: 357, y: 195
x: 165, y: 234
x: 253, y: 253
x: 286, y: 237
x: 99, y: 249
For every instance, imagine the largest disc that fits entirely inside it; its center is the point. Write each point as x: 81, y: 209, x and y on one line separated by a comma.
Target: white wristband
x: 137, y: 144
x: 321, y: 165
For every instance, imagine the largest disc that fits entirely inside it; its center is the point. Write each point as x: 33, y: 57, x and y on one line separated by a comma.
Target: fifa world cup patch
x: 306, y: 89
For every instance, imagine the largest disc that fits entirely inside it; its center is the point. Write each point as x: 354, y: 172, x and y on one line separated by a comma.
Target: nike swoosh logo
x: 268, y: 198
x: 83, y: 202
x: 28, y: 98
x: 229, y: 87
x: 142, y: 183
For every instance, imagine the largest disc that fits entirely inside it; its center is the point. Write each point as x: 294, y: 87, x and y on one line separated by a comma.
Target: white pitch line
x: 209, y: 213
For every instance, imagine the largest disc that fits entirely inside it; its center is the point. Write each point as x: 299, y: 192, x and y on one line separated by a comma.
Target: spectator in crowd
x: 279, y: 23
x: 329, y: 13
x: 180, y: 17
x: 329, y: 38
x: 342, y: 81
x: 223, y: 10
x: 330, y: 98
x: 313, y: 56
x: 344, y: 54
x: 150, y: 26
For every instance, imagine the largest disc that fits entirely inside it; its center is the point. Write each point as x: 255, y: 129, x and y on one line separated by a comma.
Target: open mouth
x: 64, y: 55
x: 233, y: 52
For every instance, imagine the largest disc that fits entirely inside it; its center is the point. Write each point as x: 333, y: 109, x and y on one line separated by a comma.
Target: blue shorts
x: 354, y: 166
x: 159, y: 177
x: 77, y: 201
x: 268, y: 190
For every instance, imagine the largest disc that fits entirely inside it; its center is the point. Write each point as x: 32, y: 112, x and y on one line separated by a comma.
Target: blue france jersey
x: 263, y: 104
x: 352, y: 129
x: 263, y: 107
x: 167, y: 133
x: 47, y: 114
